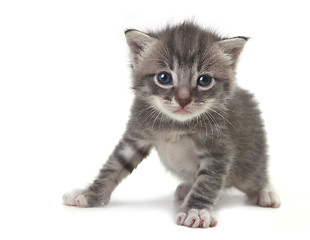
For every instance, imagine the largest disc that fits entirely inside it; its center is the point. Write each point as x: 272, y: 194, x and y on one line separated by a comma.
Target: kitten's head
x: 183, y: 71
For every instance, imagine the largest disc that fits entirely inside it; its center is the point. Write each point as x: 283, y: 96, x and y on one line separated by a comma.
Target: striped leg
x: 124, y: 159
x: 196, y: 208
x: 182, y: 191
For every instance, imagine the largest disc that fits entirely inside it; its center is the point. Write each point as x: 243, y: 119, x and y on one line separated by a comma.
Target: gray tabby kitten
x: 205, y: 128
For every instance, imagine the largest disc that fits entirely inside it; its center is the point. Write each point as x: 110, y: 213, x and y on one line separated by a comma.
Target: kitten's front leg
x: 196, y: 208
x: 125, y: 158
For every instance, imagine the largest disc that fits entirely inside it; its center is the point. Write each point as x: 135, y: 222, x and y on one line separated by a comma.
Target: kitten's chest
x: 177, y: 153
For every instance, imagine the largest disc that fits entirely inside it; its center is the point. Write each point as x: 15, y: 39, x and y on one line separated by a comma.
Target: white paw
x: 75, y: 198
x: 267, y: 198
x: 196, y: 218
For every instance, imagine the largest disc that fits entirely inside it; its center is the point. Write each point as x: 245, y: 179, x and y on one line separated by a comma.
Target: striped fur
x: 211, y: 137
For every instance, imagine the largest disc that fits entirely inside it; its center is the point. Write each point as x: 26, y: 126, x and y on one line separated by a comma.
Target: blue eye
x: 164, y: 78
x: 204, y: 81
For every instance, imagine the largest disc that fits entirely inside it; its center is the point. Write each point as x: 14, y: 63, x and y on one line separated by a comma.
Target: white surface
x: 61, y: 64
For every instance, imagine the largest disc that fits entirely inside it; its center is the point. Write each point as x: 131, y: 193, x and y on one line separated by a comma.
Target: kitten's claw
x: 81, y: 201
x: 196, y: 219
x: 75, y: 198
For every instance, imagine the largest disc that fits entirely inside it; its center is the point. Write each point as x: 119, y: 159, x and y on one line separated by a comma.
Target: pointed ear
x: 138, y: 42
x: 233, y: 47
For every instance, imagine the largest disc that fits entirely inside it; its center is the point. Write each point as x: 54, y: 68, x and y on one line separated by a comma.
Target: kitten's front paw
x: 196, y: 218
x: 85, y: 198
x: 75, y: 198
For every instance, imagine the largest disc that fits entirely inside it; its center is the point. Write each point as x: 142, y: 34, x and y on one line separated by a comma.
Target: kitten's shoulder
x: 243, y: 97
x: 243, y: 108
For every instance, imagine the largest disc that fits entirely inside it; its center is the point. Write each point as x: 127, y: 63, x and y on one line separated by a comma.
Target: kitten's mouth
x: 182, y: 111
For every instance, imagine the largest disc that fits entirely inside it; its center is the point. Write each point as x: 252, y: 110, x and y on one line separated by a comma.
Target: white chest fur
x: 177, y: 153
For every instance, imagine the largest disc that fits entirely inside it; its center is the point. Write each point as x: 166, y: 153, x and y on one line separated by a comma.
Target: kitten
x: 205, y: 128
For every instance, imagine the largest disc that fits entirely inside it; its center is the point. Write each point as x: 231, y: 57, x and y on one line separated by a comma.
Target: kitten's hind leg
x: 265, y: 197
x: 260, y: 192
x: 182, y: 191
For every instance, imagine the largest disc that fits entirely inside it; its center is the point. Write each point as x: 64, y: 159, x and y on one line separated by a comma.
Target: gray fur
x: 223, y: 146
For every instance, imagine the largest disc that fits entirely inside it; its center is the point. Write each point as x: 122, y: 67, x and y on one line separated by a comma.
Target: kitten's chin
x: 182, y: 111
x: 180, y: 114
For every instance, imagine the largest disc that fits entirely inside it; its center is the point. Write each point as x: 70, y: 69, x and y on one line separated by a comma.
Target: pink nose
x: 184, y: 102
x: 183, y: 96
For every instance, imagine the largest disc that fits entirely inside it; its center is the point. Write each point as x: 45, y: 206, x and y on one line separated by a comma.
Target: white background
x: 65, y: 99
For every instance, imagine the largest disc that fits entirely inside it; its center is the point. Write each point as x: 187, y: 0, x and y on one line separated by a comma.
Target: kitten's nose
x: 183, y: 96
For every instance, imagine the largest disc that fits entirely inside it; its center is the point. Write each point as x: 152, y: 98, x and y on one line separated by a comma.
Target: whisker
x: 224, y: 118
x: 203, y: 123
x: 156, y: 119
x: 166, y: 51
x: 163, y: 55
x: 151, y: 59
x: 208, y: 123
x: 141, y: 111
x: 161, y: 118
x: 215, y: 124
x: 150, y: 116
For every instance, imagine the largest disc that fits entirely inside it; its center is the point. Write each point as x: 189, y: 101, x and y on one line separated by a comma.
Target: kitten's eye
x: 164, y: 78
x: 204, y: 81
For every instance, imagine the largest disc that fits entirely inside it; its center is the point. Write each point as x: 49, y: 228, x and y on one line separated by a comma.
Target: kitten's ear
x: 233, y: 47
x: 138, y: 42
